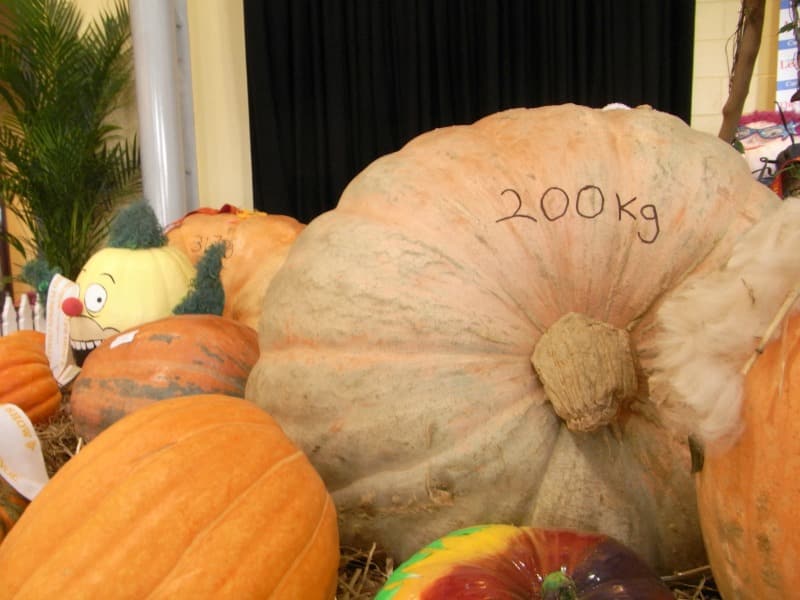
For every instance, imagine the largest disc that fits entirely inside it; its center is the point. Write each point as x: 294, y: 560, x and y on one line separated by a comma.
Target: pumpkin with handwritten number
x: 181, y: 355
x: 466, y: 337
x: 256, y: 246
x: 194, y: 497
x: 25, y: 376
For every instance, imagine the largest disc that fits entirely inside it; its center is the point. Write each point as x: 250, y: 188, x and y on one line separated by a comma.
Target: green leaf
x: 65, y: 165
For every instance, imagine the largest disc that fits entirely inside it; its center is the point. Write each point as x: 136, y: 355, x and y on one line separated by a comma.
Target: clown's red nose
x: 72, y: 306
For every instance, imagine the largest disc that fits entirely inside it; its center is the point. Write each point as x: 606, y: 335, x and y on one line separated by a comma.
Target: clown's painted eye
x: 95, y: 297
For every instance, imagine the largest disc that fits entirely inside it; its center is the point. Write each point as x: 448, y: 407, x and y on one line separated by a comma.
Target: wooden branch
x: 744, y: 63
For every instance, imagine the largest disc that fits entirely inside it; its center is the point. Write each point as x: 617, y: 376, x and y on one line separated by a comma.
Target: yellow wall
x: 219, y: 83
x: 715, y: 24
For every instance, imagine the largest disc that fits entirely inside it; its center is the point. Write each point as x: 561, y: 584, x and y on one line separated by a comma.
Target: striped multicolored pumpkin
x: 503, y: 561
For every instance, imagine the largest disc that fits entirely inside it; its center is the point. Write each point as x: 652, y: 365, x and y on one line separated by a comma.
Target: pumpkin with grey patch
x: 180, y: 355
x: 402, y: 326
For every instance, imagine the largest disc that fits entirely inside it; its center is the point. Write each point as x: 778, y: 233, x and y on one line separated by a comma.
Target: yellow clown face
x: 121, y: 288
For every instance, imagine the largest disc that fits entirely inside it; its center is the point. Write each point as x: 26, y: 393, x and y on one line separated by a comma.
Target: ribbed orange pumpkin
x: 12, y: 503
x: 749, y: 495
x: 257, y: 244
x: 194, y: 497
x: 403, y: 325
x: 729, y: 352
x: 25, y: 376
x: 180, y: 355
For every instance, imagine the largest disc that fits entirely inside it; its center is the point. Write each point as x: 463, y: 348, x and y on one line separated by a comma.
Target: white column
x: 185, y: 86
x: 161, y: 105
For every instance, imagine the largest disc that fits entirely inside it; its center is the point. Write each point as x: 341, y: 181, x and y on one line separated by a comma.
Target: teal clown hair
x: 206, y: 294
x: 136, y: 226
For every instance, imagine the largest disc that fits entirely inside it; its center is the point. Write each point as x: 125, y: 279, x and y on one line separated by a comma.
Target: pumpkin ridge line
x: 446, y: 456
x: 151, y: 421
x: 387, y: 353
x: 552, y: 448
x: 309, y: 543
x: 204, y: 531
x: 134, y: 466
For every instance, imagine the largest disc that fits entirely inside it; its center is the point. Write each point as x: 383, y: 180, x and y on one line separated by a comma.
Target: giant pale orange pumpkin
x: 739, y: 397
x: 194, y: 497
x: 403, y: 325
x: 25, y: 376
x: 180, y: 355
x: 256, y: 246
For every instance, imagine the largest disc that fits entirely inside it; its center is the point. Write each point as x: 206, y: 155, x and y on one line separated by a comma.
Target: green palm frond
x: 64, y: 165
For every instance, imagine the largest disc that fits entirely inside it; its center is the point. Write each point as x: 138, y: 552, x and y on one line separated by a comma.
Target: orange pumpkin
x: 12, y: 503
x: 730, y: 357
x: 257, y: 244
x: 194, y: 497
x: 434, y: 342
x: 25, y: 376
x: 180, y: 355
x: 749, y: 494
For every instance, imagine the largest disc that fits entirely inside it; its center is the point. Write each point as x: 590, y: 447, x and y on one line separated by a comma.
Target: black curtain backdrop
x: 334, y: 84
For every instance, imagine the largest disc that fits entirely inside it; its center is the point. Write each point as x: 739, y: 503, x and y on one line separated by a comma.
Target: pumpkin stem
x: 587, y: 369
x: 559, y: 586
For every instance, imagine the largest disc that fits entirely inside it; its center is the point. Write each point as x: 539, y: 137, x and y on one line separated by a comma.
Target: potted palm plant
x: 65, y: 166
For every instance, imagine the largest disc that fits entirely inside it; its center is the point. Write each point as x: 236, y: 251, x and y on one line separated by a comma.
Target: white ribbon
x: 21, y: 458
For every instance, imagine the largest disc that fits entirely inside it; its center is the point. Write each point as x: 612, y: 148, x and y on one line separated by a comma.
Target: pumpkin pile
x: 401, y: 352
x: 485, y: 330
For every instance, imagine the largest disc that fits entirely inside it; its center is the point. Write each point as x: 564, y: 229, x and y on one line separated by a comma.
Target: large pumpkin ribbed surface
x: 397, y: 351
x: 197, y: 497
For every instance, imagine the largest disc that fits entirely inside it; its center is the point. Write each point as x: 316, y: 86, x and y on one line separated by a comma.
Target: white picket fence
x: 22, y: 315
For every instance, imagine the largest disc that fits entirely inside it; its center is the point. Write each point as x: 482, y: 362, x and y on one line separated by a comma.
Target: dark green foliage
x: 37, y: 273
x: 64, y: 167
x: 206, y: 294
x: 136, y: 226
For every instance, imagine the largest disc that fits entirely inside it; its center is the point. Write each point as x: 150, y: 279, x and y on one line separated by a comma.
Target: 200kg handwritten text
x: 589, y: 202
